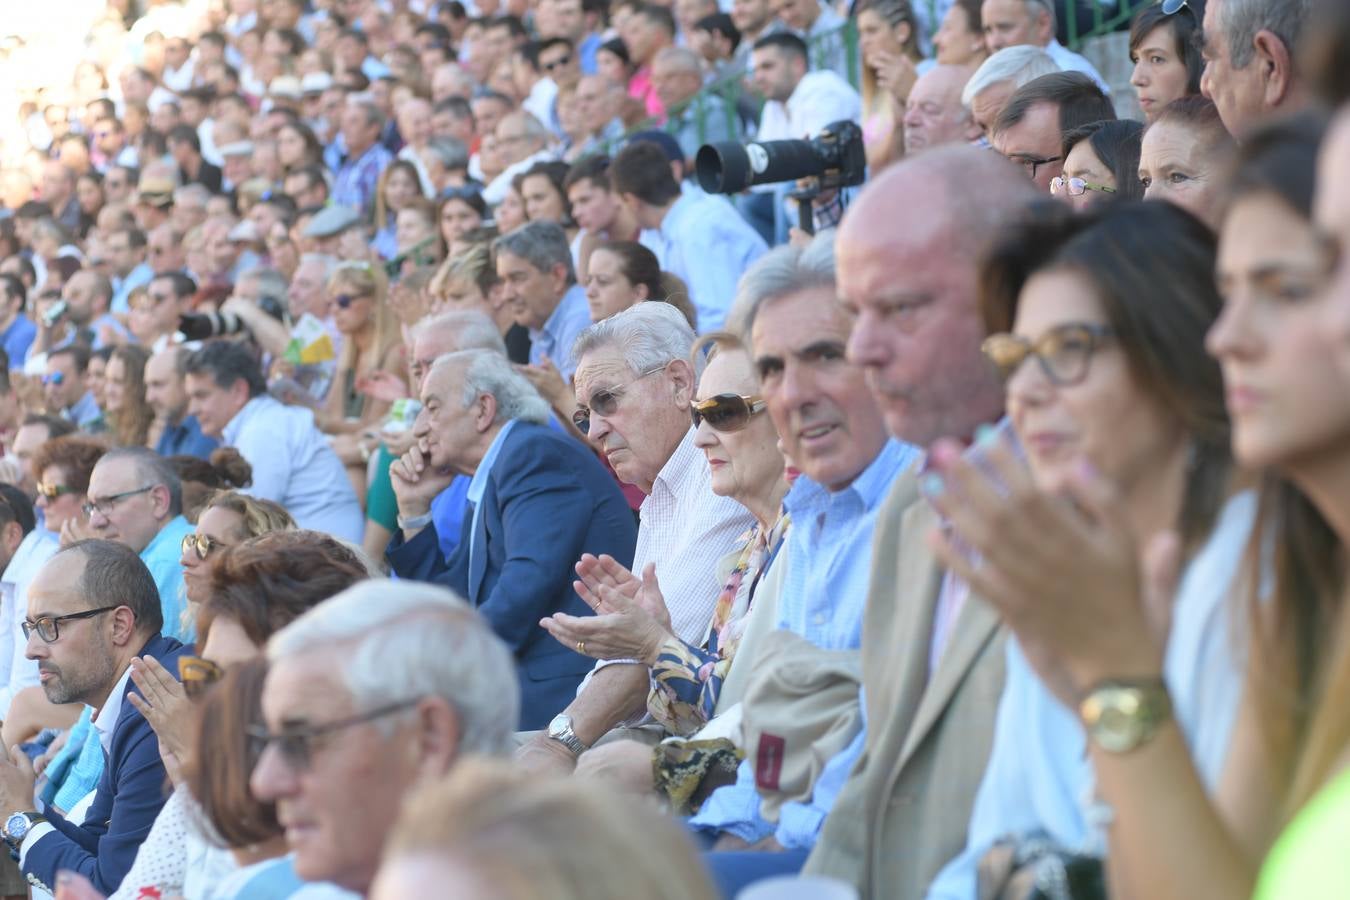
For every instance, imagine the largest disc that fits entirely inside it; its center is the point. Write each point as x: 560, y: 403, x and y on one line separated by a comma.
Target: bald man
x: 932, y: 654
x: 934, y: 115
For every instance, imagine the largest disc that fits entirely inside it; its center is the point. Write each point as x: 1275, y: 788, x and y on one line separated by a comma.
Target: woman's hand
x: 896, y: 75
x: 1061, y: 566
x: 164, y: 703
x: 383, y: 386
x: 550, y: 384
x: 74, y: 530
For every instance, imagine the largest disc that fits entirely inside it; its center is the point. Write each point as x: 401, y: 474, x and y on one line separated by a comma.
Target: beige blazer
x: 904, y: 810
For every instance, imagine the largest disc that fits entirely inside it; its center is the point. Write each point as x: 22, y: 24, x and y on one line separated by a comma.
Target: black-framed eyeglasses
x: 1032, y: 163
x: 558, y: 63
x: 200, y: 544
x: 49, y: 627
x: 1063, y: 352
x: 1075, y: 187
x: 105, y: 504
x: 606, y: 401
x: 296, y: 744
x: 52, y: 491
x: 197, y: 674
x: 726, y: 412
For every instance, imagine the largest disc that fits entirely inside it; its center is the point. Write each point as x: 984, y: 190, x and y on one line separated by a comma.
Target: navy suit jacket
x: 129, y: 796
x: 547, y: 501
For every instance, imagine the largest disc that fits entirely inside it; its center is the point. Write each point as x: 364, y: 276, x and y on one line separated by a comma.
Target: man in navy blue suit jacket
x: 538, y: 500
x: 91, y: 609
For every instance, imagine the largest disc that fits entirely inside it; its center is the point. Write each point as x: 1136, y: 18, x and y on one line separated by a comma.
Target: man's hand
x: 16, y: 782
x: 416, y: 483
x: 543, y: 754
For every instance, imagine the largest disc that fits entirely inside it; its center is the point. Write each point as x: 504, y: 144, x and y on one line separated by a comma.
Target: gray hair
x: 270, y: 282
x: 679, y: 58
x: 1018, y: 64
x: 450, y: 152
x: 782, y: 271
x: 151, y: 470
x: 534, y: 129
x: 650, y: 335
x: 328, y: 263
x: 472, y: 330
x: 194, y: 191
x: 1242, y: 19
x: 408, y: 640
x: 541, y: 244
x: 490, y: 372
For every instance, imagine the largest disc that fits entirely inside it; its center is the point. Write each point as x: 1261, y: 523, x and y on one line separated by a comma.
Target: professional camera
x: 201, y: 326
x: 836, y: 157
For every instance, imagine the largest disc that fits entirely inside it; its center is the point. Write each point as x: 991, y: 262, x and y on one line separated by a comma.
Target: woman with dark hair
x: 1165, y: 50
x: 89, y: 194
x: 613, y: 63
x: 124, y: 405
x: 1172, y: 833
x: 541, y: 188
x: 298, y: 147
x: 1098, y: 324
x: 959, y: 41
x: 1101, y: 160
x: 1183, y: 155
x: 623, y: 273
x: 225, y: 470
x: 458, y: 211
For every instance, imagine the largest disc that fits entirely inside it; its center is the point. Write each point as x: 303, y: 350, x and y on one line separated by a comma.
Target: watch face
x: 16, y: 826
x: 559, y: 725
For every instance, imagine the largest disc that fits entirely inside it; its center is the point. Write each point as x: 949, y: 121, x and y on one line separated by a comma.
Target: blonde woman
x: 371, y: 342
x: 889, y: 40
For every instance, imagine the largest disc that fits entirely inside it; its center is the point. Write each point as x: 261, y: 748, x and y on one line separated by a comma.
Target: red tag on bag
x: 769, y: 761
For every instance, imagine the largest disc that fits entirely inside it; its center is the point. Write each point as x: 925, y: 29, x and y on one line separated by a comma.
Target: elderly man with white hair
x: 372, y: 695
x: 634, y: 384
x: 537, y: 501
x: 998, y: 77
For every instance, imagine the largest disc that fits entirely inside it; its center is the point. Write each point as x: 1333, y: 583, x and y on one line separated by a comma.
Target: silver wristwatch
x: 560, y: 730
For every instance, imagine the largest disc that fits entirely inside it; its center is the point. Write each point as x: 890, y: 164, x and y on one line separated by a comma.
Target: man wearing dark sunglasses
x: 91, y: 610
x: 537, y: 501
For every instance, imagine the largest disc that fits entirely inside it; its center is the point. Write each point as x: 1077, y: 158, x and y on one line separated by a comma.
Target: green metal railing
x: 732, y: 97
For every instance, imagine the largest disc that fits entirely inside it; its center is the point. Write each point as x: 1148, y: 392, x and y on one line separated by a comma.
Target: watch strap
x: 1123, y: 714
x: 414, y: 523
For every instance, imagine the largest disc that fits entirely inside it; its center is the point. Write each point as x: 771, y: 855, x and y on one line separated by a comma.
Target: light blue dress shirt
x: 1040, y: 777
x: 824, y: 593
x: 478, y: 484
x: 705, y: 241
x: 143, y: 274
x: 570, y: 318
x: 162, y: 557
x: 294, y: 465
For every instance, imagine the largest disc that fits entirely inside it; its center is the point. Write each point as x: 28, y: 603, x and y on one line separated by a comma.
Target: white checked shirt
x: 685, y: 529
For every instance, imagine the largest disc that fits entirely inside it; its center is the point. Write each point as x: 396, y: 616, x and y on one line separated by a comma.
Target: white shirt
x: 294, y: 465
x: 16, y: 670
x: 820, y: 98
x: 1069, y: 61
x: 495, y: 192
x: 105, y: 723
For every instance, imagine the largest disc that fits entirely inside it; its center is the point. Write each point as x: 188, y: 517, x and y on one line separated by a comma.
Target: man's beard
x: 68, y: 687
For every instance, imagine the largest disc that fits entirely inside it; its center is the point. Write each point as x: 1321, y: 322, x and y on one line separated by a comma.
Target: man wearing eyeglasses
x: 1031, y: 127
x: 91, y: 610
x: 537, y: 501
x: 366, y: 703
x: 136, y: 499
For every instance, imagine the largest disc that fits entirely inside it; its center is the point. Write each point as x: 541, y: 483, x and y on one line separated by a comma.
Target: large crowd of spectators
x: 414, y: 482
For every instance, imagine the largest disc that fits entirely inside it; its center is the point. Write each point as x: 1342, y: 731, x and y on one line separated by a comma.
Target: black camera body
x: 836, y: 157
x: 206, y: 325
